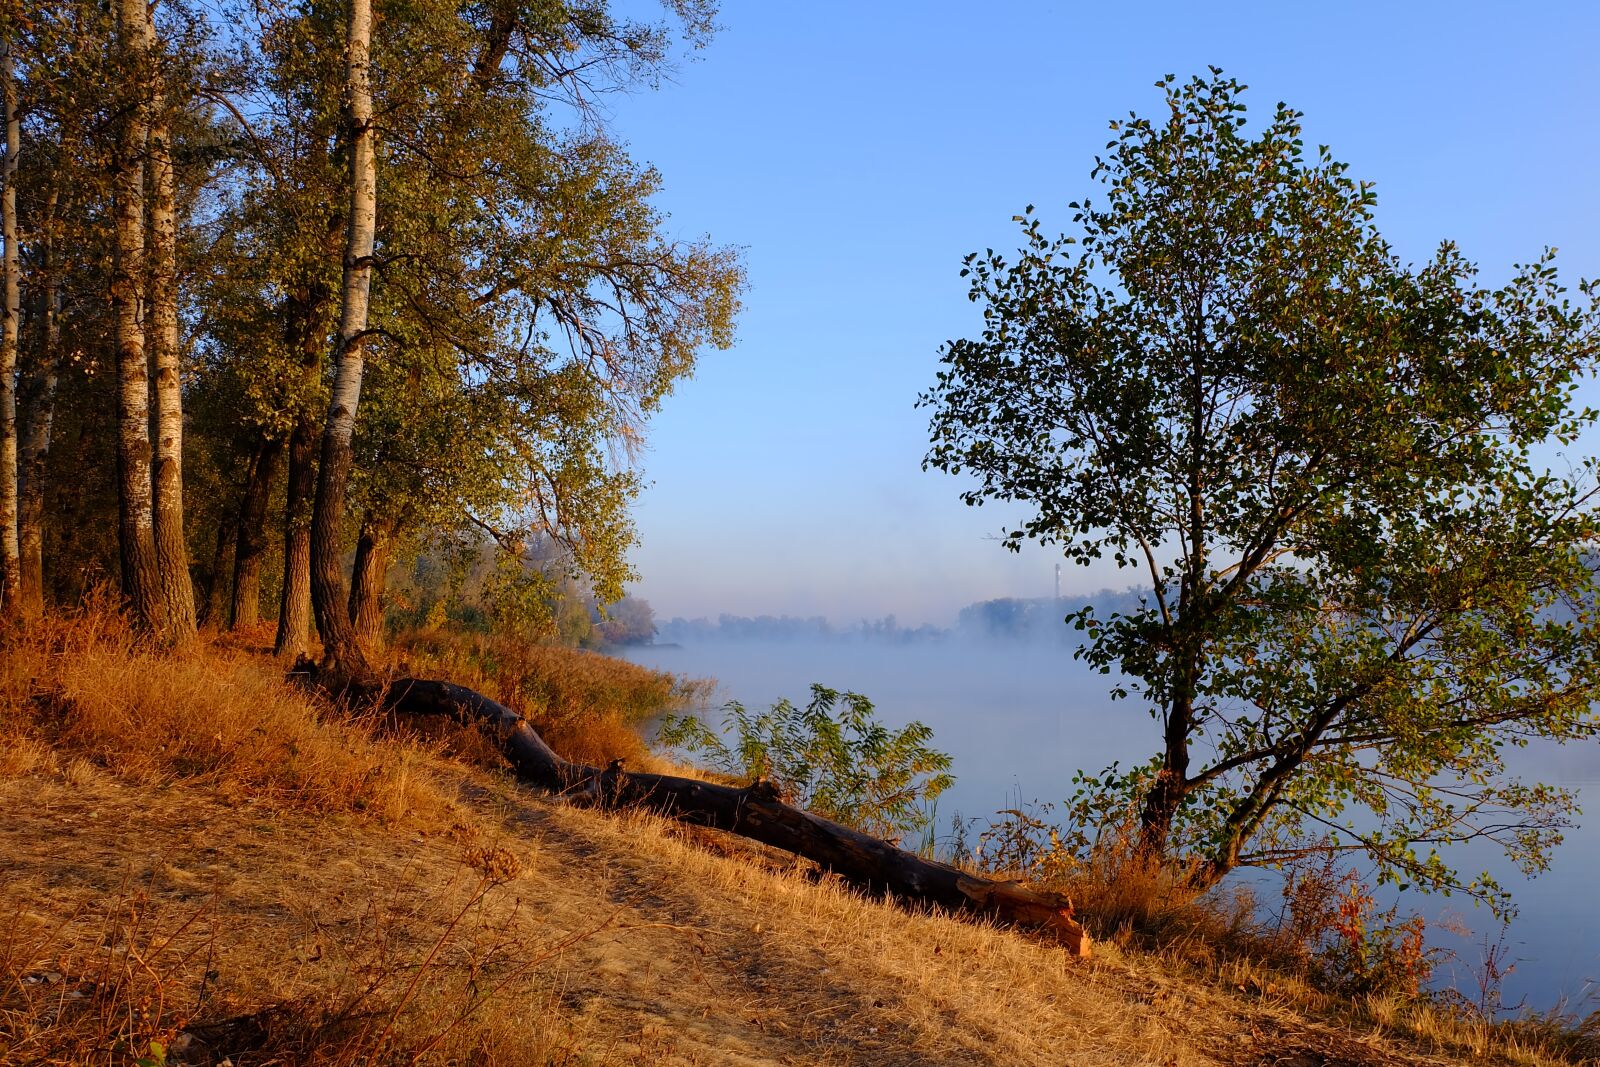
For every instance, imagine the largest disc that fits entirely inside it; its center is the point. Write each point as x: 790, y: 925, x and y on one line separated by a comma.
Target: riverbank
x: 175, y: 899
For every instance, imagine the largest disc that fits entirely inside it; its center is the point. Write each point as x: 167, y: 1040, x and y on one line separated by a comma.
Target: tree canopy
x: 1330, y: 467
x: 417, y: 203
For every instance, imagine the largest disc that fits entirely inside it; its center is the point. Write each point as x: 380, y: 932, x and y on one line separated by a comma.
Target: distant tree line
x: 295, y: 292
x: 792, y: 628
x: 1040, y: 618
x: 1046, y: 619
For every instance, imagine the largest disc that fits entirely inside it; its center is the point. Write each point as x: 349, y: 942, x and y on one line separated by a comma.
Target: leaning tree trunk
x: 141, y: 580
x: 172, y: 551
x: 251, y: 547
x: 10, y: 319
x: 369, y: 577
x: 341, y: 647
x: 753, y: 811
x: 39, y: 407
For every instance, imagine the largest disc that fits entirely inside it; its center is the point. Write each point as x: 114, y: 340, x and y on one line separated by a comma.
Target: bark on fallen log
x: 754, y: 811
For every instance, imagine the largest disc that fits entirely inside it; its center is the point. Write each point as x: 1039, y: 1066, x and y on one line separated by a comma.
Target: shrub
x: 846, y: 766
x: 1331, y: 920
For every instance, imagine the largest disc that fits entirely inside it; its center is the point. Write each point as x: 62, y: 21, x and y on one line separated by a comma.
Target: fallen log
x: 755, y: 811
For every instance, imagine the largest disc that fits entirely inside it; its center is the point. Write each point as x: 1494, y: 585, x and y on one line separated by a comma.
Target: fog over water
x: 1019, y: 718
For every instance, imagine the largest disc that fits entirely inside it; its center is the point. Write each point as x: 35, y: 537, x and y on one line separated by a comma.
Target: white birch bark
x: 140, y: 579
x: 341, y: 647
x: 172, y: 552
x: 10, y: 317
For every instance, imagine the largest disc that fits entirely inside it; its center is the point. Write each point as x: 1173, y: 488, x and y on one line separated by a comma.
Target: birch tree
x: 342, y: 650
x: 10, y: 322
x: 525, y: 233
x: 141, y: 580
x: 171, y: 550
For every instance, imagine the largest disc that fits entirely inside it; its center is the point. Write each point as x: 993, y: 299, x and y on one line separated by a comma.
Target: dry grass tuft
x: 1123, y: 890
x: 82, y: 686
x: 587, y: 706
x: 1120, y: 891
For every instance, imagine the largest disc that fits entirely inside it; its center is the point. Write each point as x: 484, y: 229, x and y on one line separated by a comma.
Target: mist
x: 1018, y: 718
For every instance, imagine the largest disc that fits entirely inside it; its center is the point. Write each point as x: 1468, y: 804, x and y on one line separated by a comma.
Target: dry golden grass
x: 588, y: 706
x: 1218, y: 940
x: 178, y: 871
x: 559, y: 935
x: 539, y: 933
x: 82, y: 687
x: 180, y: 919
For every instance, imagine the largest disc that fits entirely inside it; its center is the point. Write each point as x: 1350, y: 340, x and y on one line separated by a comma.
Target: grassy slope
x: 430, y: 909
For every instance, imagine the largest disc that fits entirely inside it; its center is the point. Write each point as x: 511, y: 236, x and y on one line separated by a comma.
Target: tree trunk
x: 39, y: 407
x: 341, y: 646
x: 172, y: 551
x: 1165, y: 798
x: 72, y: 576
x: 754, y: 812
x: 136, y: 524
x: 306, y: 330
x: 294, y: 605
x: 1159, y: 811
x: 370, y: 577
x: 10, y: 321
x: 251, y: 546
x: 218, y: 599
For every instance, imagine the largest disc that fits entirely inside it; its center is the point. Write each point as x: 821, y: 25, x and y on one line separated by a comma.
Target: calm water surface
x: 1020, y: 719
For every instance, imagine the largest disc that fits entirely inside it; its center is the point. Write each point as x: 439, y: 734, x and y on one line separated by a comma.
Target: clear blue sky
x: 858, y: 150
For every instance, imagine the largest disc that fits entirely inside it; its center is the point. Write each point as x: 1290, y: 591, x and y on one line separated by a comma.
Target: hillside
x: 169, y: 897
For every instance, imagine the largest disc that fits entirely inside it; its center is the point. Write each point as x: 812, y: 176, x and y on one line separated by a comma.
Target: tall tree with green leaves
x: 270, y: 298
x: 520, y: 283
x: 1329, y: 466
x: 65, y: 251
